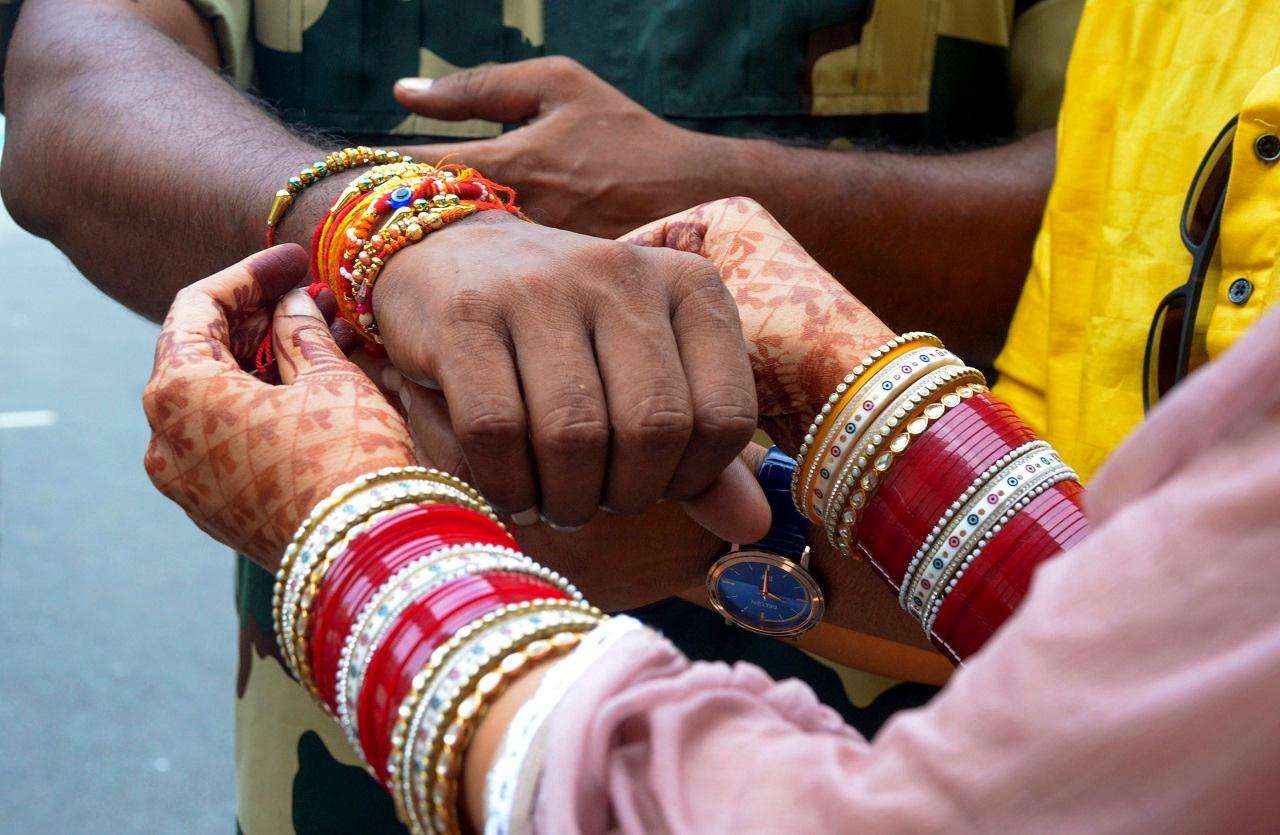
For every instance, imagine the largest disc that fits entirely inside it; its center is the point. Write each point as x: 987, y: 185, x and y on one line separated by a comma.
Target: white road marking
x: 28, y: 420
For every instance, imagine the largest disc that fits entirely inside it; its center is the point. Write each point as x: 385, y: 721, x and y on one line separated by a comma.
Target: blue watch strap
x: 789, y: 531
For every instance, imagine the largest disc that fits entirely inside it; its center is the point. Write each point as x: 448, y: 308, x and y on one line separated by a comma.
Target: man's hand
x: 579, y: 373
x: 587, y: 158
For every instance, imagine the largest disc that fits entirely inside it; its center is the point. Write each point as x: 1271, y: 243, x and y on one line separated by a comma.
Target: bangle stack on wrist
x: 913, y: 464
x: 404, y: 608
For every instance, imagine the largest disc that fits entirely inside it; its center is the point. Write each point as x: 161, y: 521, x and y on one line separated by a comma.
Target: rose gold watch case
x: 798, y: 570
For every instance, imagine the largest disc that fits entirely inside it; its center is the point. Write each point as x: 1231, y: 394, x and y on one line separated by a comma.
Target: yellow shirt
x: 1150, y: 84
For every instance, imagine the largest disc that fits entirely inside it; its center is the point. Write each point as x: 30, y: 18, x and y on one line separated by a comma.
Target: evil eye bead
x: 400, y: 197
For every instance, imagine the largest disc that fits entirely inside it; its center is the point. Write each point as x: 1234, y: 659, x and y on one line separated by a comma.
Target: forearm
x: 929, y: 242
x: 162, y: 173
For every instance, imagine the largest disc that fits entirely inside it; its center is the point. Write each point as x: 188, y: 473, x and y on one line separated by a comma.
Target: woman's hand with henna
x: 247, y: 460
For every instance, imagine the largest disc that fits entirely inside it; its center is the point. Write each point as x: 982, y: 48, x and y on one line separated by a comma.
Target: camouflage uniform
x: 902, y: 73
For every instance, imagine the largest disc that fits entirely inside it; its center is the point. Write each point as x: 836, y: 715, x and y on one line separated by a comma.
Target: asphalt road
x: 117, y: 627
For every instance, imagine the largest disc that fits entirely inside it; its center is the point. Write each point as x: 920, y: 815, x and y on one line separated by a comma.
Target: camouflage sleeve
x: 231, y: 26
x: 1039, y: 49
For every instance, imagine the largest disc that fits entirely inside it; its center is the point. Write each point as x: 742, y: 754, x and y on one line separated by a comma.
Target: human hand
x: 579, y: 373
x: 246, y: 460
x: 586, y: 157
x: 804, y: 330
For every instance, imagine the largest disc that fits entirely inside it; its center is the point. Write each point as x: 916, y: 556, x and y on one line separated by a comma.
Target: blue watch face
x: 757, y: 592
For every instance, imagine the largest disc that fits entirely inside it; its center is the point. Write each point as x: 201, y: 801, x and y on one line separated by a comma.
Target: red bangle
x: 989, y: 591
x: 932, y: 473
x: 923, y: 477
x: 425, y: 625
x: 369, y: 561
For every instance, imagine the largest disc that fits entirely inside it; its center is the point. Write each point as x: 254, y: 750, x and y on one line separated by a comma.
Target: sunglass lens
x: 1209, y: 189
x: 1165, y: 340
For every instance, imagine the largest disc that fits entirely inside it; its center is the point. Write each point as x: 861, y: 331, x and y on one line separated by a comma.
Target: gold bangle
x: 445, y: 680
x: 864, y: 464
x: 472, y: 709
x: 340, y: 494
x: 337, y: 545
x: 807, y: 457
x: 326, y: 523
x: 915, y: 426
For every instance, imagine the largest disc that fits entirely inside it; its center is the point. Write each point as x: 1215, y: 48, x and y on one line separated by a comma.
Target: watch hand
x: 764, y: 590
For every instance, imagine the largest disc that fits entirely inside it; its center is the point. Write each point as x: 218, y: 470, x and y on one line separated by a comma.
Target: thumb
x: 303, y: 344
x: 508, y: 93
x: 734, y: 507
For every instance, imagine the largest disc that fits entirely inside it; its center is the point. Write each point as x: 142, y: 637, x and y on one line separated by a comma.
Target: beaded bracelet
x: 862, y: 449
x: 342, y: 160
x: 372, y: 220
x: 318, y: 555
x: 864, y: 408
x: 813, y: 438
x: 959, y: 559
x: 471, y: 711
x: 411, y: 583
x: 916, y: 412
x: 440, y: 695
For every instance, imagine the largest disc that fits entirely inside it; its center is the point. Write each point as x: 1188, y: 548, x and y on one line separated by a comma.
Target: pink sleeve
x: 1135, y: 690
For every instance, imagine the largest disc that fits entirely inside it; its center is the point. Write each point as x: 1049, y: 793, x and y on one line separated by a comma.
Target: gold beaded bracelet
x: 342, y: 160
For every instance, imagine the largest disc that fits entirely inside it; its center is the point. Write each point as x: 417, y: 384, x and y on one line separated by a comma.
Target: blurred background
x: 117, y: 622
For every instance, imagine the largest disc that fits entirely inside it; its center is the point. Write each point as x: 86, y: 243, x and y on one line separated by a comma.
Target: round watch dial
x: 765, y: 593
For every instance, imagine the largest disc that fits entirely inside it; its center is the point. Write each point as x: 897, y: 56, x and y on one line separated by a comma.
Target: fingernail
x: 525, y: 518
x: 405, y: 400
x: 608, y: 509
x: 561, y: 528
x: 415, y: 85
x: 298, y: 303
x: 391, y: 379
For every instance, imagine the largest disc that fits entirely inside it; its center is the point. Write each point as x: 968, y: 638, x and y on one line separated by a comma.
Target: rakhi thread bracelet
x: 816, y: 436
x: 354, y: 241
x: 342, y: 160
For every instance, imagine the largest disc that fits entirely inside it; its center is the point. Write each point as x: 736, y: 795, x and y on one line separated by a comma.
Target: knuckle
x: 469, y: 84
x: 563, y: 68
x: 727, y: 416
x: 492, y: 427
x: 660, y: 419
x: 573, y: 429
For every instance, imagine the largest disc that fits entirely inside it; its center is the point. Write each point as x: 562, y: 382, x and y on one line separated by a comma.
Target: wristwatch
x: 766, y: 587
